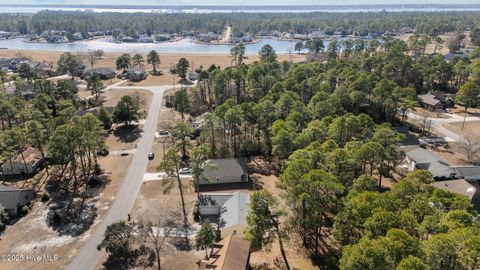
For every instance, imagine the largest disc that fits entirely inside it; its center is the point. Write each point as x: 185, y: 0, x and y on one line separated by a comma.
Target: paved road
x: 88, y: 257
x: 437, y: 124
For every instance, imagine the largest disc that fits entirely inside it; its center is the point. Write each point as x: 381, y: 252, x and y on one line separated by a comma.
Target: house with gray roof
x: 224, y: 173
x: 103, y: 73
x: 227, y: 209
x: 136, y: 74
x: 468, y: 172
x: 12, y: 198
x: 462, y: 187
x: 420, y: 158
x: 436, y: 101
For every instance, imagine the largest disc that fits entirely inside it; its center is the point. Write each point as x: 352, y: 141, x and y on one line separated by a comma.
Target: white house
x: 26, y: 162
x: 11, y: 198
x: 423, y: 159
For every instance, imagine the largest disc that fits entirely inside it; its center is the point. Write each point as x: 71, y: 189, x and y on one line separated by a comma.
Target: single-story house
x: 462, y: 187
x: 420, y: 158
x: 468, y: 172
x: 436, y: 101
x: 462, y: 54
x: 224, y: 171
x: 163, y: 37
x: 27, y: 162
x: 12, y: 63
x: 136, y: 74
x: 44, y: 69
x: 103, y: 73
x: 12, y: 198
x: 230, y: 253
x: 77, y: 36
x: 145, y: 39
x: 227, y: 209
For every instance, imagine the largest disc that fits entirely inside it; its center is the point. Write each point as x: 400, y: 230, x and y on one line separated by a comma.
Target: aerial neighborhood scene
x: 246, y: 135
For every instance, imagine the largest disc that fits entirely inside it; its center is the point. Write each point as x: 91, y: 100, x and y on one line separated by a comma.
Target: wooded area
x: 347, y: 23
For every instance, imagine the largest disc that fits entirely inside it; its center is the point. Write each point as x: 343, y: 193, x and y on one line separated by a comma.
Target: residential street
x: 437, y: 124
x: 89, y: 256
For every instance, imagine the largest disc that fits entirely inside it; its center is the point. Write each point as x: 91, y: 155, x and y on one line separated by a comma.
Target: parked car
x: 185, y: 170
x: 151, y: 155
x: 164, y: 133
x: 103, y: 152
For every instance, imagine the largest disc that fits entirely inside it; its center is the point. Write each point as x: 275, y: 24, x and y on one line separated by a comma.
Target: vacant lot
x: 471, y: 128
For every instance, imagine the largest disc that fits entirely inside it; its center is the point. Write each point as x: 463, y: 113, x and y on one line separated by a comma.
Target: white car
x: 184, y: 171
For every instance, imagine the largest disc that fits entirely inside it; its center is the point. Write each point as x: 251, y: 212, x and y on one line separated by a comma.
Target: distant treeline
x: 360, y: 23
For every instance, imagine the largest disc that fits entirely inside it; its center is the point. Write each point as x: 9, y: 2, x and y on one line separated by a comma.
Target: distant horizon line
x: 239, y: 6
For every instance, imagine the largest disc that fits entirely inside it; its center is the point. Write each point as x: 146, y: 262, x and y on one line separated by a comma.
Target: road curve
x: 88, y: 256
x: 437, y: 124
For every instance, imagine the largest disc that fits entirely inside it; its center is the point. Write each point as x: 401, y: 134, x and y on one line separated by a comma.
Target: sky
x: 234, y: 2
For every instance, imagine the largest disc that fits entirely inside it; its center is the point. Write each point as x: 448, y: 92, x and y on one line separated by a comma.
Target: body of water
x: 186, y: 45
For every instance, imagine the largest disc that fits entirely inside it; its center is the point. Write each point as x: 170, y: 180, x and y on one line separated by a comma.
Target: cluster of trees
x: 346, y: 23
x: 68, y: 141
x: 139, y: 244
x: 125, y: 61
x: 49, y: 124
x: 269, y: 107
x: 330, y: 125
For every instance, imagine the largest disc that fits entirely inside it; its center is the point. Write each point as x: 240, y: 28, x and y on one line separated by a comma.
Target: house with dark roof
x: 12, y: 198
x: 224, y: 173
x: 230, y: 253
x: 27, y: 161
x: 228, y: 210
x: 103, y: 73
x: 420, y: 158
x: 461, y: 54
x: 410, y: 142
x: 136, y: 74
x: 436, y: 101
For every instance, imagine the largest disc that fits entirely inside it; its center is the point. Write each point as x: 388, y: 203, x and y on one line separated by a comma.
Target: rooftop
x: 428, y: 160
x: 10, y: 197
x: 31, y: 156
x: 231, y: 253
x: 217, y: 168
x: 459, y: 186
x: 430, y: 99
x: 234, y: 206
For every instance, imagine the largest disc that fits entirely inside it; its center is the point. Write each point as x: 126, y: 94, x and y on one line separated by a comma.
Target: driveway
x: 437, y: 124
x: 88, y: 256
